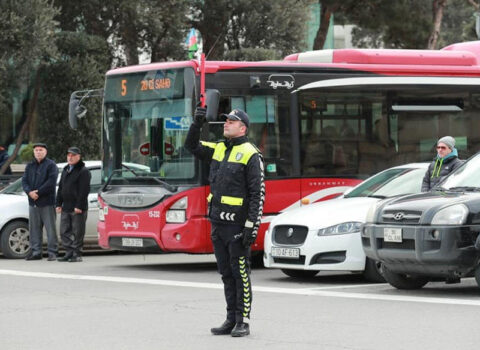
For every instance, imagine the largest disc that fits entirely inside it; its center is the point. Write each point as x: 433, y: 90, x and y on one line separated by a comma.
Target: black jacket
x: 42, y: 177
x: 437, y: 170
x: 74, y: 188
x: 236, y: 178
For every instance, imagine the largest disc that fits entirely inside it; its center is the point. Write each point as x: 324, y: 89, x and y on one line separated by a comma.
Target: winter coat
x: 42, y: 177
x: 74, y: 188
x: 440, y: 168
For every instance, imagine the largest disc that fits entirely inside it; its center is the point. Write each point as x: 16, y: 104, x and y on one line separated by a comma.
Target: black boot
x: 241, y: 329
x: 225, y: 328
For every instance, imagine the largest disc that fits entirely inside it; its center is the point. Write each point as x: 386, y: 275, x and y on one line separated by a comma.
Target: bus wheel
x: 373, y: 271
x: 15, y: 241
x: 403, y: 281
x: 299, y: 273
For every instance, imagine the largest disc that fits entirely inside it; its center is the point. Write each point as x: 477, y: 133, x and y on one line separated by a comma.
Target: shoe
x: 52, y: 258
x: 225, y: 328
x: 75, y: 259
x: 34, y: 257
x: 65, y: 258
x: 241, y: 329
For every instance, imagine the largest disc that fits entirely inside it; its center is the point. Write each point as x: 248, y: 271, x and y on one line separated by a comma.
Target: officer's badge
x: 238, y: 156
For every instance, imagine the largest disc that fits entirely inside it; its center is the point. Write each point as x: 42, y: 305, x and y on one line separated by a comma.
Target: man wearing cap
x: 235, y: 204
x: 443, y: 164
x: 72, y: 203
x: 39, y: 182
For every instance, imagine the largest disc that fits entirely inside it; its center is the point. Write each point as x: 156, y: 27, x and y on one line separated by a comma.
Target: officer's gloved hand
x: 199, y: 116
x: 248, y: 237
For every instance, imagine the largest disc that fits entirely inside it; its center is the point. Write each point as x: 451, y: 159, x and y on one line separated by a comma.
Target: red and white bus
x: 324, y: 121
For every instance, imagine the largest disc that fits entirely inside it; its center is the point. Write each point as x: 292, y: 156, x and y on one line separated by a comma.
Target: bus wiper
x: 464, y: 189
x: 376, y: 196
x: 165, y: 184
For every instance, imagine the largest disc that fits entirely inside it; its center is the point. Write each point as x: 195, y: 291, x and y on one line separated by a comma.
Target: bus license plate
x: 392, y: 235
x: 132, y: 242
x: 291, y: 253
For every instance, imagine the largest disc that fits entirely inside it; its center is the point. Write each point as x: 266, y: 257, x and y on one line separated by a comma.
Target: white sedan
x: 14, y: 235
x: 325, y: 236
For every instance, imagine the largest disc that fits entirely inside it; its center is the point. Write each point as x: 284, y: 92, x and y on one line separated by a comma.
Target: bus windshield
x: 146, y: 117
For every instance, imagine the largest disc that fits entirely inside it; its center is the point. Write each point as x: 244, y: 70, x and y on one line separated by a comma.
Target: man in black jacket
x: 235, y: 210
x: 443, y: 164
x: 39, y: 182
x: 72, y: 203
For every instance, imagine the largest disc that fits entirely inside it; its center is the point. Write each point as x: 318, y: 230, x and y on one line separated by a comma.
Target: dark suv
x: 428, y: 236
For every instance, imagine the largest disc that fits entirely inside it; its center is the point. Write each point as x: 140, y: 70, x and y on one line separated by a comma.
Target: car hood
x: 328, y: 213
x: 430, y: 203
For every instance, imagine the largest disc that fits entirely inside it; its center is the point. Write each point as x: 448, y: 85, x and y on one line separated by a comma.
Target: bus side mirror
x: 75, y: 111
x: 212, y: 100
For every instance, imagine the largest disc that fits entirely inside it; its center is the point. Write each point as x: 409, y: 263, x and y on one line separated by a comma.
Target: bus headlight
x: 177, y: 212
x: 452, y: 215
x: 101, y: 213
x: 340, y: 229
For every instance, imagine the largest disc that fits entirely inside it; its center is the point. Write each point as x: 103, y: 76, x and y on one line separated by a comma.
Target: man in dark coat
x: 444, y: 163
x: 39, y: 182
x: 72, y: 203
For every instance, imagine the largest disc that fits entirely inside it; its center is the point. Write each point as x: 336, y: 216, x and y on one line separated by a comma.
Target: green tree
x: 82, y: 64
x: 276, y: 27
x: 132, y: 28
x: 27, y: 28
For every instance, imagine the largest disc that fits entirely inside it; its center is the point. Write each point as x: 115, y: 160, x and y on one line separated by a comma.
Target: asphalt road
x: 171, y: 301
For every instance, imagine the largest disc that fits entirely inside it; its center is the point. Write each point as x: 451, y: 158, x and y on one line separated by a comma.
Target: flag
x: 191, y: 42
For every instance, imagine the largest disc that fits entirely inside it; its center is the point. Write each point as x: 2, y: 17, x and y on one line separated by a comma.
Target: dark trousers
x: 40, y: 217
x: 72, y: 232
x: 233, y: 262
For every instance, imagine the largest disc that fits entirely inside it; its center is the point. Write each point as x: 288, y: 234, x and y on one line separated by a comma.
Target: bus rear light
x: 175, y: 216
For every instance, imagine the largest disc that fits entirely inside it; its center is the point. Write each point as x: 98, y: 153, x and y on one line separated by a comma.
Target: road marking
x: 276, y: 290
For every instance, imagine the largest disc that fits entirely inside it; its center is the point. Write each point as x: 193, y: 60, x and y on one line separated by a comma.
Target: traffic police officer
x: 235, y: 209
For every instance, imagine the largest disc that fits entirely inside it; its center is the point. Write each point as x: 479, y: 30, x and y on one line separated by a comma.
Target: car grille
x: 408, y: 217
x: 290, y: 234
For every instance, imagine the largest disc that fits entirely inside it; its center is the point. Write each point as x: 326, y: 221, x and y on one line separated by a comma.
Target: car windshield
x: 13, y: 188
x: 389, y: 183
x: 464, y: 178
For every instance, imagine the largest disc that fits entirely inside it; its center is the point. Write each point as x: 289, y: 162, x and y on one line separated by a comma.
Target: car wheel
x: 15, y: 240
x: 477, y: 274
x: 299, y: 273
x: 403, y: 281
x: 373, y: 271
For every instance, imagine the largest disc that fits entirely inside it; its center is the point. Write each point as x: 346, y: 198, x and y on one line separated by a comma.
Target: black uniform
x: 235, y: 204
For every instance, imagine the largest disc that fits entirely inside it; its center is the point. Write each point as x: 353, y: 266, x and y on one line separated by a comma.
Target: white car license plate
x: 392, y: 235
x: 292, y: 253
x: 132, y: 242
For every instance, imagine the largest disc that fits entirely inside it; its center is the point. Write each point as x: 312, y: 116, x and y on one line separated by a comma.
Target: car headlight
x: 452, y: 215
x: 340, y: 229
x: 371, y: 213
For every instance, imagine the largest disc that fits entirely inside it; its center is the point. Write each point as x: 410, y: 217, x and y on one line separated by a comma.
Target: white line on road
x: 303, y: 291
